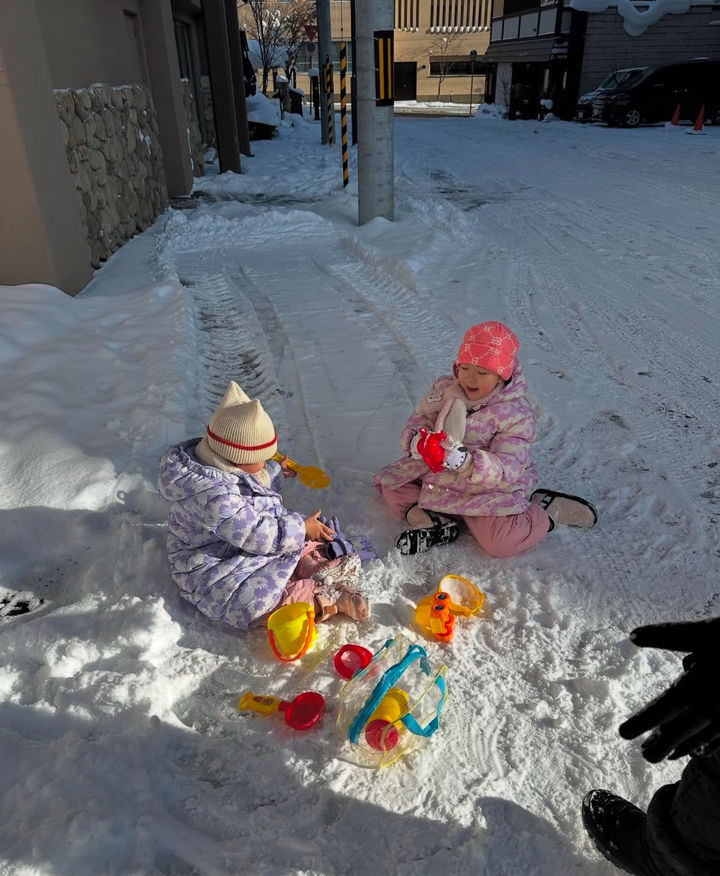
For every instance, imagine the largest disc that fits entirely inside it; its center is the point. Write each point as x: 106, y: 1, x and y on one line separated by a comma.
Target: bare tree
x: 298, y: 15
x: 278, y: 26
x: 442, y: 56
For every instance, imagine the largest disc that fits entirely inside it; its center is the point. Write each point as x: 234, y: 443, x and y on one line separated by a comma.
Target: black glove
x: 685, y: 718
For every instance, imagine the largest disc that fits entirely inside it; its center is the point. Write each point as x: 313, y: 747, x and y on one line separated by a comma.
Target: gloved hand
x: 413, y: 448
x: 426, y: 445
x: 363, y: 548
x: 340, y: 544
x: 685, y: 718
x: 456, y: 454
x: 438, y: 451
x: 332, y: 522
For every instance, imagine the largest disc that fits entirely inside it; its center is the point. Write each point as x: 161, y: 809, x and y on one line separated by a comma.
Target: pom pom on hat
x: 240, y: 429
x: 489, y: 345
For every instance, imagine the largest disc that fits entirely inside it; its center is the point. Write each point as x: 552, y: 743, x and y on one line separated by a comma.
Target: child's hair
x: 240, y: 430
x: 488, y: 345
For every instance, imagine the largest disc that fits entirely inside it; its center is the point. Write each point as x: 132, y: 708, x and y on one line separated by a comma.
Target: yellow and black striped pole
x: 384, y: 67
x: 343, y: 111
x: 327, y: 81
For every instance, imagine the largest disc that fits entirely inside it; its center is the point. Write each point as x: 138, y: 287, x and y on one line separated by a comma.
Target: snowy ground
x: 122, y: 750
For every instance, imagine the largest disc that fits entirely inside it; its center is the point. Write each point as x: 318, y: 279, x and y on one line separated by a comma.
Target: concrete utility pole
x: 353, y: 75
x: 324, y: 51
x: 374, y: 65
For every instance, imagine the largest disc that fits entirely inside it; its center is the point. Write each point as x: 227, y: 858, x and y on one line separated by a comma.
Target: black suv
x: 584, y: 106
x: 655, y: 94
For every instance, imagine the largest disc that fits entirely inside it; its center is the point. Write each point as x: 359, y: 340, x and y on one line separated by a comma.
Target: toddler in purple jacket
x: 235, y: 551
x: 467, y: 456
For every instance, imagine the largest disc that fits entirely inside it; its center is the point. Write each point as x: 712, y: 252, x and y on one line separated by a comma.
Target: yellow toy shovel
x: 309, y: 475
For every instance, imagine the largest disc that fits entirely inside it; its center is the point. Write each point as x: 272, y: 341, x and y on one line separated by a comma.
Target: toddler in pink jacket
x: 467, y: 456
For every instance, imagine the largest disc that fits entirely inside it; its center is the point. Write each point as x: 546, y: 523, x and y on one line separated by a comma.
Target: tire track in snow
x: 409, y: 319
x: 232, y: 342
x: 321, y: 361
x: 690, y: 406
x: 649, y: 450
x: 637, y: 443
x: 594, y: 330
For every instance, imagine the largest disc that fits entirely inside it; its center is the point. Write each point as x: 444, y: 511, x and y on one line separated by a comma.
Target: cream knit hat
x: 240, y: 430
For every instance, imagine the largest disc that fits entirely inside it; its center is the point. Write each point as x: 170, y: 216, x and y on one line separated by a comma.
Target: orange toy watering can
x: 455, y: 595
x: 434, y: 616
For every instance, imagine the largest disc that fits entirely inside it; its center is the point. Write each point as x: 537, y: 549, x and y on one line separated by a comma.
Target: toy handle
x: 414, y: 652
x: 309, y: 618
x: 291, y: 464
x: 250, y: 702
x: 433, y: 724
x: 310, y: 475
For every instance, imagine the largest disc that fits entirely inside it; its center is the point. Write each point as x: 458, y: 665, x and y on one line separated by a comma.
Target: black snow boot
x: 417, y: 541
x: 617, y: 828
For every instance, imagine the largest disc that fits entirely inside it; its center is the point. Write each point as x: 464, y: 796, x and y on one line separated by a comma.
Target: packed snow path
x: 606, y: 266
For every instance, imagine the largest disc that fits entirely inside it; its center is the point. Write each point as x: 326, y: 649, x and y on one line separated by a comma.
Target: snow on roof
x: 638, y: 15
x: 277, y: 58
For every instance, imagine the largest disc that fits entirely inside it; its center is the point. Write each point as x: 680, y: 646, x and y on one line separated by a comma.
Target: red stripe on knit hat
x: 240, y: 446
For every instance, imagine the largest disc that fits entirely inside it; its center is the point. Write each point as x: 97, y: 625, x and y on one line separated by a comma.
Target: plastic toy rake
x: 309, y: 475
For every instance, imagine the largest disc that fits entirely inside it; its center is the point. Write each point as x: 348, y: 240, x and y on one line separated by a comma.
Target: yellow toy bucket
x: 291, y: 630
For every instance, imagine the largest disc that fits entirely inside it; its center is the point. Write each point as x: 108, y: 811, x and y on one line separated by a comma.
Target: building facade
x: 544, y: 53
x: 104, y: 114
x: 433, y: 41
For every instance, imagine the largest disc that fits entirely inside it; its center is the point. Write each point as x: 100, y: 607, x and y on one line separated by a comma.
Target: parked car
x: 654, y: 95
x: 584, y: 106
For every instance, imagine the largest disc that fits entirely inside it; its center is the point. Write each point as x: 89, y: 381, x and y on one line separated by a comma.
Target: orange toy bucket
x: 291, y: 630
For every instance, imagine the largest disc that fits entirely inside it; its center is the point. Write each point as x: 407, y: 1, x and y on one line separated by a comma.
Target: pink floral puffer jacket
x: 499, y: 431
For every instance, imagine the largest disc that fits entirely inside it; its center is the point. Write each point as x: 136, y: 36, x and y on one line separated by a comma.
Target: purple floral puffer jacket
x: 499, y: 431
x: 232, y: 545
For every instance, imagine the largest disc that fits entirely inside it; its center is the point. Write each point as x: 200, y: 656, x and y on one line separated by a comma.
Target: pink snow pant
x: 301, y: 586
x: 498, y: 536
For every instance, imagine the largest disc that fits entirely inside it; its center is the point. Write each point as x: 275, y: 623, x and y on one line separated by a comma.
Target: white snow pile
x: 122, y: 749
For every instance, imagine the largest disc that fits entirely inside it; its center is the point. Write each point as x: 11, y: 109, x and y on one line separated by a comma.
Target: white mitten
x: 456, y: 454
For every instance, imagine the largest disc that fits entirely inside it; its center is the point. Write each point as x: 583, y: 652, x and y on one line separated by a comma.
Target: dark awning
x: 519, y: 51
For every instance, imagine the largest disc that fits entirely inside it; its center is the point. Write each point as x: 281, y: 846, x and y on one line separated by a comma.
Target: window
x: 456, y: 67
x: 511, y: 29
x: 547, y: 21
x: 529, y: 25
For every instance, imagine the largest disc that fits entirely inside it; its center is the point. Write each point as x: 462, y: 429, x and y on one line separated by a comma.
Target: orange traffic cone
x: 676, y: 116
x: 698, y: 126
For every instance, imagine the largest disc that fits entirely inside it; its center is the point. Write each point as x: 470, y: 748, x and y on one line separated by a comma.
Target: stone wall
x: 111, y: 139
x: 207, y: 110
x: 195, y: 143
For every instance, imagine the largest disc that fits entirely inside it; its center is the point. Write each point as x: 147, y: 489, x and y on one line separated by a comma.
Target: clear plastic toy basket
x: 392, y: 705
